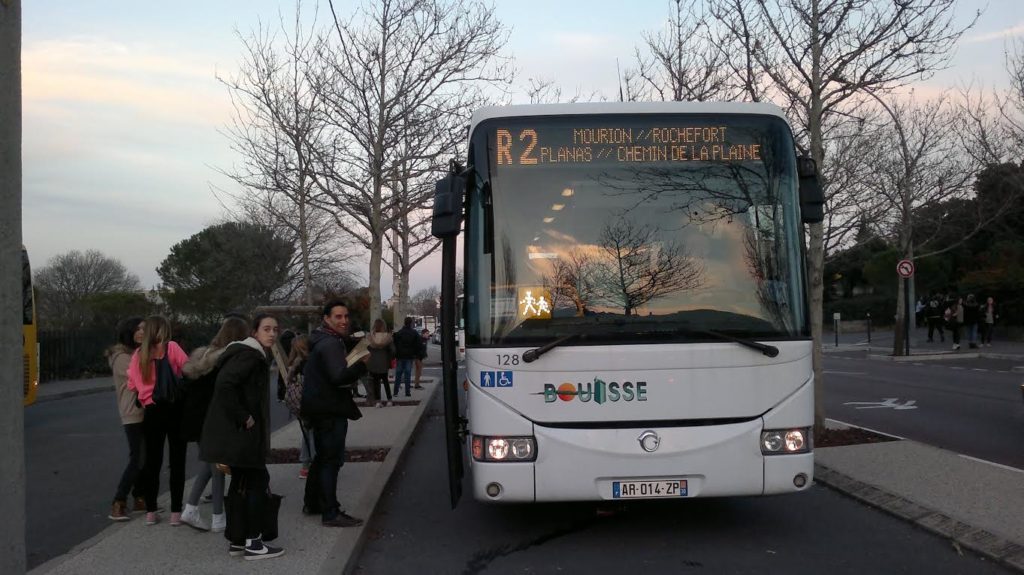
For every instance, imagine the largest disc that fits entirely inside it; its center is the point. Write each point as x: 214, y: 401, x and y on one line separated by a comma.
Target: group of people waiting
x: 218, y: 397
x: 955, y: 313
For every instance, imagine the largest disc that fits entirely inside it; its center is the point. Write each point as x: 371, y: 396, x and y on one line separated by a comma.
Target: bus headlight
x: 495, y: 449
x: 785, y: 441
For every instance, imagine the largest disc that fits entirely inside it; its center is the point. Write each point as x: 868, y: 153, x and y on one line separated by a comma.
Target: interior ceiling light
x: 567, y: 192
x: 548, y: 220
x: 557, y: 207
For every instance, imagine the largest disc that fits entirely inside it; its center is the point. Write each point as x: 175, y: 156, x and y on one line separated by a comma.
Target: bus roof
x: 625, y: 108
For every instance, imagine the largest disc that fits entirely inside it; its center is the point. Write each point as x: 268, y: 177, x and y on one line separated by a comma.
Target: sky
x: 123, y: 115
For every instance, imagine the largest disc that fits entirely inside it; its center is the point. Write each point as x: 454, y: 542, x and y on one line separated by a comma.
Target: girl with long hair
x: 201, y: 373
x: 162, y: 420
x: 129, y: 336
x: 297, y: 356
x: 382, y: 349
x: 236, y: 433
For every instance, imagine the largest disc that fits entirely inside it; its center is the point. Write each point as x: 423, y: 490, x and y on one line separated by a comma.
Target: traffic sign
x: 905, y: 268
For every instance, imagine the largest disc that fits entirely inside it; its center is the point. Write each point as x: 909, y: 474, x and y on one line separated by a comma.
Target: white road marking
x: 999, y: 465
x: 978, y: 369
x: 845, y: 372
x: 886, y: 403
x: 865, y: 428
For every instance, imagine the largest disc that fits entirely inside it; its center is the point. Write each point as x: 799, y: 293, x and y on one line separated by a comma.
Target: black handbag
x: 168, y: 388
x: 235, y: 510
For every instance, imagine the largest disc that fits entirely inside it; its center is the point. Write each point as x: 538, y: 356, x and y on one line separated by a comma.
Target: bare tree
x: 547, y: 91
x: 680, y: 63
x: 638, y: 268
x: 821, y: 56
x: 573, y: 281
x: 68, y: 279
x: 395, y: 64
x: 278, y: 121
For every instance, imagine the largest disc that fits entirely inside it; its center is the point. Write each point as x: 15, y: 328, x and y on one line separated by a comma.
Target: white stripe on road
x: 845, y: 372
x: 978, y: 369
x: 865, y: 428
x: 999, y: 465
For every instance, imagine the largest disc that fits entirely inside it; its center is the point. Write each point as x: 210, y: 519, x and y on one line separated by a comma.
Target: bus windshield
x: 633, y: 228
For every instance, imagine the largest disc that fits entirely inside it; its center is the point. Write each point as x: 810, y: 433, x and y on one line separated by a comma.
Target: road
x: 814, y: 532
x: 75, y: 451
x: 970, y: 406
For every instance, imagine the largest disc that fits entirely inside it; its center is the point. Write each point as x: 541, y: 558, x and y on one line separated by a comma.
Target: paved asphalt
x: 819, y: 531
x: 969, y: 406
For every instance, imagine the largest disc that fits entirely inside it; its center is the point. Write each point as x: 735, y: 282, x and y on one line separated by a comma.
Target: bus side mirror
x: 812, y: 199
x: 448, y: 192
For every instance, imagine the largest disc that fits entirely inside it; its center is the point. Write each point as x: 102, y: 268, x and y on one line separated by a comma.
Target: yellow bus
x: 30, y: 343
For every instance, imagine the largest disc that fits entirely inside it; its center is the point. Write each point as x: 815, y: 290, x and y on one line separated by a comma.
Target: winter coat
x: 382, y: 349
x: 241, y: 390
x: 119, y: 358
x: 328, y: 380
x: 971, y: 312
x: 407, y: 343
x: 144, y: 387
x: 200, y: 375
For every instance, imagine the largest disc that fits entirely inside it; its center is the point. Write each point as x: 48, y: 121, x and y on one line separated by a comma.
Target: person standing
x: 971, y: 313
x: 988, y: 321
x: 382, y: 349
x: 934, y: 317
x: 162, y: 419
x: 407, y: 349
x: 296, y: 364
x: 327, y: 405
x: 954, y: 316
x: 421, y: 357
x: 129, y: 336
x: 200, y: 372
x: 236, y: 432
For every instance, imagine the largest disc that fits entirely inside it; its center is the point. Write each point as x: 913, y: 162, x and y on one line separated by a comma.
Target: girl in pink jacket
x: 162, y: 420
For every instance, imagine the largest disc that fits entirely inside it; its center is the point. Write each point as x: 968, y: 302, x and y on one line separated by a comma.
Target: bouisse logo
x: 597, y: 391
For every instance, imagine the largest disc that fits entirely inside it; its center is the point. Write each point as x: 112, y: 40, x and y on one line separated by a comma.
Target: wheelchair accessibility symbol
x: 495, y: 379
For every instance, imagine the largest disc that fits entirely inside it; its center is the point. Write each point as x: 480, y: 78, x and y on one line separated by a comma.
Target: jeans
x: 376, y: 380
x: 322, y: 483
x: 986, y: 333
x: 306, y: 450
x: 130, y: 475
x: 163, y: 422
x: 972, y: 333
x: 207, y: 472
x: 256, y: 481
x: 403, y: 373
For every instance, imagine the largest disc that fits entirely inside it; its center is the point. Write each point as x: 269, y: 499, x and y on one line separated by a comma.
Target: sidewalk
x: 309, y: 548
x: 975, y: 504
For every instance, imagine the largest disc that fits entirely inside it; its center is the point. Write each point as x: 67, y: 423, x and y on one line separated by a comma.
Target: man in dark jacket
x: 407, y: 349
x: 327, y: 405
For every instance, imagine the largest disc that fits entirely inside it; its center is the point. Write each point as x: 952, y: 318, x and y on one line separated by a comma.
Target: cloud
x: 73, y: 73
x: 1016, y: 30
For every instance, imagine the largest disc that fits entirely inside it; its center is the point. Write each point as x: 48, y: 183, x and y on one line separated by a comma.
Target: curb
x: 73, y: 393
x: 344, y: 556
x: 925, y: 356
x: 962, y: 534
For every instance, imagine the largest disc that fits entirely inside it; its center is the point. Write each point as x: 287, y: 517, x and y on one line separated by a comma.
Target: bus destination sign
x: 558, y: 145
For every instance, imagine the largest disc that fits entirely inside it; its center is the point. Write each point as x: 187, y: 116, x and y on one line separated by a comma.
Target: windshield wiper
x: 532, y: 355
x: 768, y: 350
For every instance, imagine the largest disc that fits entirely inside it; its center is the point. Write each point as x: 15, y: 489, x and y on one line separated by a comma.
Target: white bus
x: 636, y: 319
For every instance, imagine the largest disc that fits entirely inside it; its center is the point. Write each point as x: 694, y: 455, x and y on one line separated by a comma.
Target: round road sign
x: 905, y: 268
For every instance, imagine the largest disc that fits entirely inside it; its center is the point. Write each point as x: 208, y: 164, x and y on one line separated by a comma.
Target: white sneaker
x: 220, y: 523
x: 190, y: 516
x: 379, y: 404
x: 389, y: 404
